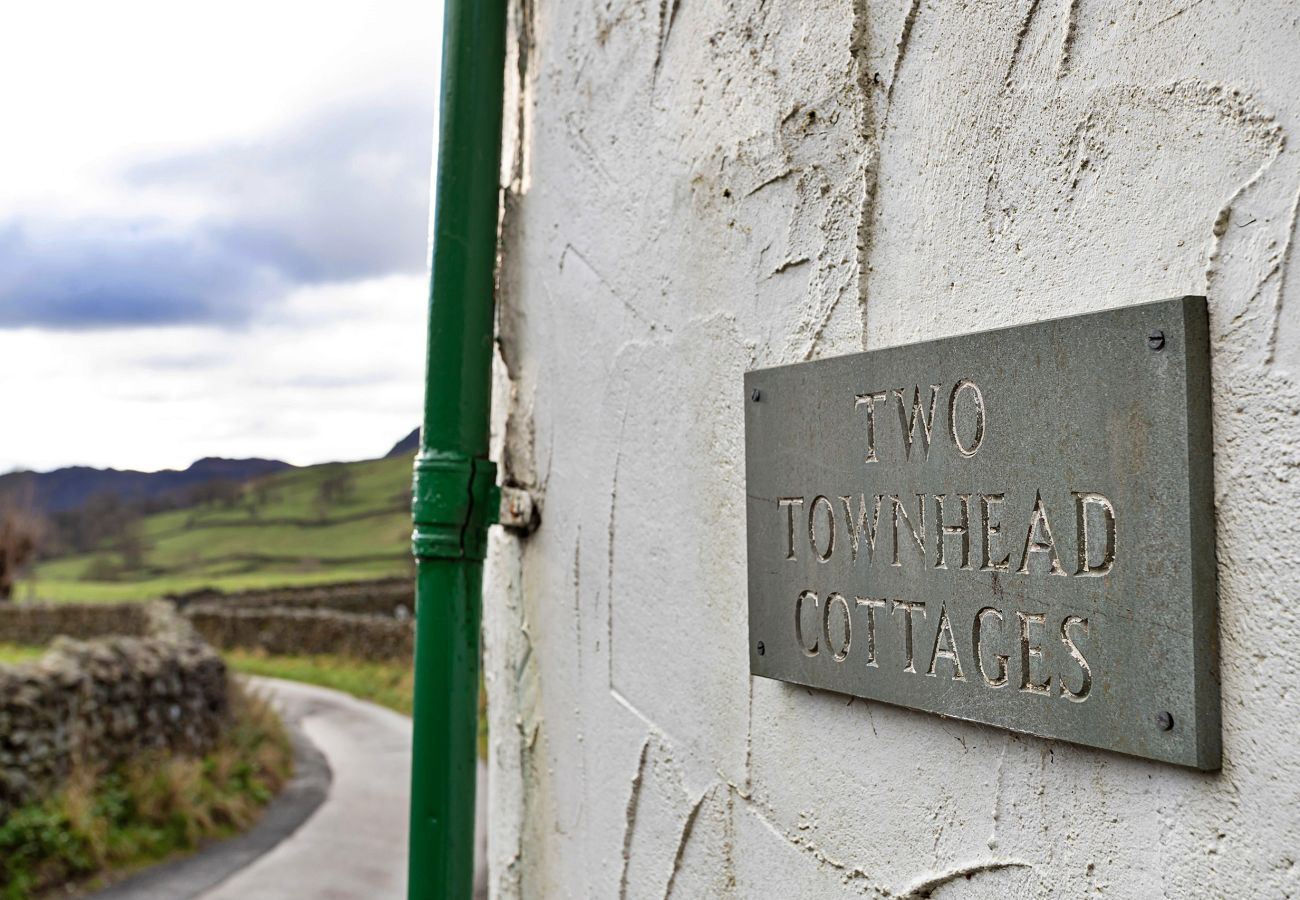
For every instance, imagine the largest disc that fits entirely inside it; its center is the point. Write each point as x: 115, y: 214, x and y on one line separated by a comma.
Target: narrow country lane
x: 354, y: 846
x: 351, y: 845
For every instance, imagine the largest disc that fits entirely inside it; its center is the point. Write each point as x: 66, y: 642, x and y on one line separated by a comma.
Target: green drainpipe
x: 455, y: 496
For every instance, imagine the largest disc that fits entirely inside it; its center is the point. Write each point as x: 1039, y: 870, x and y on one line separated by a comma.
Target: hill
x: 310, y: 525
x: 66, y: 489
x: 406, y: 445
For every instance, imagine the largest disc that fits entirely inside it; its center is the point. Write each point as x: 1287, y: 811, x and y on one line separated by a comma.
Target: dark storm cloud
x: 105, y: 273
x: 342, y: 196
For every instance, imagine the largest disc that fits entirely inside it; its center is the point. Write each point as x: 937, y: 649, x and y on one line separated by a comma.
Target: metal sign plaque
x: 1014, y: 527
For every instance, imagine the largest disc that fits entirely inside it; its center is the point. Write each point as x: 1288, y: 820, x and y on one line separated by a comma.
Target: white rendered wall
x: 700, y: 188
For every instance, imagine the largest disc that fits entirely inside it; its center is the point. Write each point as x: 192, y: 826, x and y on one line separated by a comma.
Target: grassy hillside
x: 334, y: 522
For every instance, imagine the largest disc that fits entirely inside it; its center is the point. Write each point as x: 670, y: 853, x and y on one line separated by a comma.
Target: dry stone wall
x: 368, y: 620
x: 379, y: 597
x: 40, y: 623
x: 288, y: 631
x: 102, y: 699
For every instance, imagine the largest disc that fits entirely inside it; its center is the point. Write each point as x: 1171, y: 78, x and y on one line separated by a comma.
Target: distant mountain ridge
x: 408, y: 444
x: 68, y: 488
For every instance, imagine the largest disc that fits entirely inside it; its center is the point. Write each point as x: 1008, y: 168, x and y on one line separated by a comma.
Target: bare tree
x: 22, y: 529
x: 220, y: 492
x: 265, y: 493
x: 108, y: 523
x: 129, y: 542
x: 335, y: 485
x: 260, y: 495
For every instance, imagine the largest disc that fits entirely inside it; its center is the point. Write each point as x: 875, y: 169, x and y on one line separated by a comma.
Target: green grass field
x: 389, y: 684
x: 281, y: 532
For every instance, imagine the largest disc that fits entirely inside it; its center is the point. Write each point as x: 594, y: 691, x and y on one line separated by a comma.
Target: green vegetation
x: 146, y: 810
x: 386, y: 683
x: 321, y: 524
x: 389, y: 684
x: 19, y: 653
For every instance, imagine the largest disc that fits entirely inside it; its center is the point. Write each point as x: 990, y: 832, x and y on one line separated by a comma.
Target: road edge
x: 191, y: 876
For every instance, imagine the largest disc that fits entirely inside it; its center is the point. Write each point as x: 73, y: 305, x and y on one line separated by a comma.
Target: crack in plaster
x: 1284, y: 262
x: 870, y: 141
x: 769, y: 181
x: 1220, y: 226
x: 524, y: 47
x: 1067, y: 37
x: 1269, y: 130
x: 505, y: 671
x: 667, y: 16
x: 849, y: 873
x: 998, y: 786
x: 1174, y: 15
x: 629, y: 816
x: 749, y: 742
x: 587, y: 154
x: 921, y: 888
x: 1021, y: 33
x: 820, y: 328
x: 609, y: 572
x: 904, y: 40
x: 925, y: 888
x: 577, y: 598
x: 687, y: 829
x: 788, y: 265
x: 571, y: 250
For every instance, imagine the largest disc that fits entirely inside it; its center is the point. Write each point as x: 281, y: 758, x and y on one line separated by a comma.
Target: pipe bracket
x: 454, y: 498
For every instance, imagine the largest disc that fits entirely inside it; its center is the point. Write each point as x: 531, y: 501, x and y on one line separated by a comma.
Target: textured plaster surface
x: 699, y: 188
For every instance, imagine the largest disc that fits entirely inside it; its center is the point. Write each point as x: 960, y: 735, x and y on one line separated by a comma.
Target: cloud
x: 340, y: 197
x: 343, y: 195
x: 336, y: 373
x: 104, y: 273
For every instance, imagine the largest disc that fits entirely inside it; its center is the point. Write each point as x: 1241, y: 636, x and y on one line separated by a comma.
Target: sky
x: 213, y: 228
